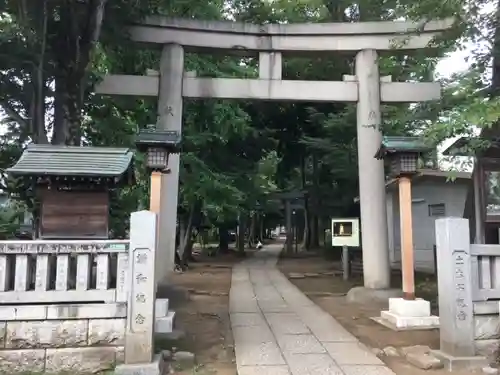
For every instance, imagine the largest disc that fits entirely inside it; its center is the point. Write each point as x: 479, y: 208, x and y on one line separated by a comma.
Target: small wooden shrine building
x: 73, y: 186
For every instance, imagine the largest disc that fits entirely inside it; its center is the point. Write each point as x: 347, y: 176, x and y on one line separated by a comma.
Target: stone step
x: 161, y: 307
x: 165, y: 324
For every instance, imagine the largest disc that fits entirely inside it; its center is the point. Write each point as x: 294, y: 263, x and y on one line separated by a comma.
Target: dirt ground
x: 203, y: 314
x: 328, y: 292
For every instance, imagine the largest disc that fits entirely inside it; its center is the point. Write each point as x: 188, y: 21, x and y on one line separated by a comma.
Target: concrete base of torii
x: 408, y: 315
x: 402, y: 315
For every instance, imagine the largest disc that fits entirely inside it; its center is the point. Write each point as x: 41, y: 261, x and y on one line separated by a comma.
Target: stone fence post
x: 455, y: 289
x: 139, y: 347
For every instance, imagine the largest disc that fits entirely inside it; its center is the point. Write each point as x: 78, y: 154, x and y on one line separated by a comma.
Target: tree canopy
x: 235, y: 153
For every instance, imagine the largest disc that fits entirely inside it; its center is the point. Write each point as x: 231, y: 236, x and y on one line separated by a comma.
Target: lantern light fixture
x: 402, y: 153
x: 158, y: 145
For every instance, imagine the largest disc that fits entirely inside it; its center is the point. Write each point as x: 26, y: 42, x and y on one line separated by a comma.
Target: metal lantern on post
x: 403, y: 154
x: 158, y: 145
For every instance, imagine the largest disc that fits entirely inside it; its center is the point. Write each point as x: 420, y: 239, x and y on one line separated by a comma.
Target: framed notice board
x: 345, y: 232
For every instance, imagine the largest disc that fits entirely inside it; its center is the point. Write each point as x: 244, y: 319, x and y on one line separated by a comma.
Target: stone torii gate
x: 269, y: 42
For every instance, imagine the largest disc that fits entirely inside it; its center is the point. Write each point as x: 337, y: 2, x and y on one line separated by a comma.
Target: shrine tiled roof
x: 50, y: 160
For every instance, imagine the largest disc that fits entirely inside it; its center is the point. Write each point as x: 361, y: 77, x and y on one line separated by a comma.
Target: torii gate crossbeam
x: 269, y: 42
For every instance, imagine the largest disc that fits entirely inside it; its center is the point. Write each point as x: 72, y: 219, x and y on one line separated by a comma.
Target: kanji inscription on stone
x: 459, y: 257
x: 142, y: 291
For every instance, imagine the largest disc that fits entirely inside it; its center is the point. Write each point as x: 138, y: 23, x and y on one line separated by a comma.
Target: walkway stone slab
x: 286, y: 324
x: 247, y: 320
x: 313, y: 364
x: 263, y: 370
x: 300, y: 344
x: 347, y: 353
x: 259, y: 354
x: 274, y: 307
x: 278, y: 330
x: 251, y: 335
x: 366, y: 370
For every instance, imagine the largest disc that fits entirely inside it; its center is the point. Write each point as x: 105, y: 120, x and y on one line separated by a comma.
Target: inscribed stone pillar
x: 456, y: 318
x: 376, y: 268
x: 169, y: 118
x: 141, y: 299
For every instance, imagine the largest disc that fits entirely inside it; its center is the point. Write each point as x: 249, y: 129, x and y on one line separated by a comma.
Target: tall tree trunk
x: 305, y: 237
x: 495, y: 79
x: 261, y: 227
x: 79, y: 31
x: 223, y: 239
x: 251, y: 232
x: 314, y: 243
x: 68, y: 102
x: 241, y: 233
x: 186, y: 243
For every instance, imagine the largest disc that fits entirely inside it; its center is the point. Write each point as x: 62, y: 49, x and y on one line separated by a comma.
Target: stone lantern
x: 403, y: 154
x: 158, y: 145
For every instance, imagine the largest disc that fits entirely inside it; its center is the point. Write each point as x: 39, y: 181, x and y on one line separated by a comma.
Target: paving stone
x: 421, y: 356
x: 286, y: 324
x: 259, y: 354
x: 274, y: 306
x: 263, y: 370
x: 269, y: 297
x: 256, y: 334
x: 391, y: 351
x: 346, y: 353
x: 295, y: 330
x: 243, y: 306
x: 425, y: 361
x: 366, y: 370
x: 414, y: 349
x: 300, y: 344
x: 330, y: 332
x: 313, y: 364
x: 296, y: 299
x: 247, y: 319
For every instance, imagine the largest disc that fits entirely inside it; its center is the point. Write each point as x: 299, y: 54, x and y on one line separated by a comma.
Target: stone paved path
x: 279, y: 331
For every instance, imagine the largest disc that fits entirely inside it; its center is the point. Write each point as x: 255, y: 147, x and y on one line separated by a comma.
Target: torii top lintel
x: 311, y: 37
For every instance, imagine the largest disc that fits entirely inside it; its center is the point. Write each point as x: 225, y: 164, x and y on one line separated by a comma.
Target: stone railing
x: 79, y: 306
x: 63, y: 271
x: 469, y: 296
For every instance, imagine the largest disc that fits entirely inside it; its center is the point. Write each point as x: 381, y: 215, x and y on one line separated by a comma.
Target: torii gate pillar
x: 374, y: 233
x: 169, y: 118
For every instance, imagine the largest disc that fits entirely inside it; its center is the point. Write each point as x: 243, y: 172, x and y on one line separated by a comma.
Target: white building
x: 434, y: 195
